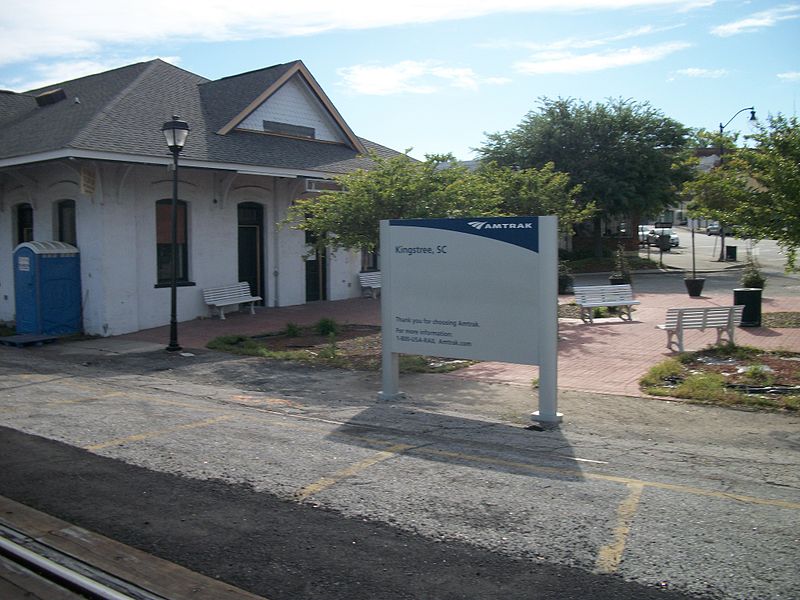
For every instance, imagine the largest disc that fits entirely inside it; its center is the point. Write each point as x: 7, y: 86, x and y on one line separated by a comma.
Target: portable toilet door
x: 47, y: 288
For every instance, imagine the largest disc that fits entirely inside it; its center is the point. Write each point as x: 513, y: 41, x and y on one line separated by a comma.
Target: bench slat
x: 595, y: 296
x: 370, y: 282
x: 228, y: 295
x: 723, y: 319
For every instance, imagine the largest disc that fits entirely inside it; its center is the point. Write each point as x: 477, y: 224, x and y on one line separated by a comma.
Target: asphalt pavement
x: 290, y: 481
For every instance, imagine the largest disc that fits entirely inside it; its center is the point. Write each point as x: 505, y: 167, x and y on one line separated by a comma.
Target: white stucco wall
x: 116, y: 235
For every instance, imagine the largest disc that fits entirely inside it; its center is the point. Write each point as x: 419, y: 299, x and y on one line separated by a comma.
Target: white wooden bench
x: 589, y: 297
x: 370, y: 283
x: 229, y: 295
x: 724, y: 319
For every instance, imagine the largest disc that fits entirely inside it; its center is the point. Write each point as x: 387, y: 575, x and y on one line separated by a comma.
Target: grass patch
x: 729, y: 375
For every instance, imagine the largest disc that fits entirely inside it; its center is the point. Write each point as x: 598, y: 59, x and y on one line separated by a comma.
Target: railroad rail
x: 28, y: 564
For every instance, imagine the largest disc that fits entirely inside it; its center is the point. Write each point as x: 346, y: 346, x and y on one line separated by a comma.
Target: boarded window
x: 65, y: 214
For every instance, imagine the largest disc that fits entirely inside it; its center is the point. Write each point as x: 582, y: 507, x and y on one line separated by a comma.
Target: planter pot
x: 751, y: 299
x: 694, y: 286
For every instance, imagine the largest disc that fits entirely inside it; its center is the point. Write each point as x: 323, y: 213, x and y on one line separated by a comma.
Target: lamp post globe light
x: 175, y: 131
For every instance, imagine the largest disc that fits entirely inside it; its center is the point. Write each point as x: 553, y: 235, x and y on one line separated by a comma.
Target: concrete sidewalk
x: 609, y: 356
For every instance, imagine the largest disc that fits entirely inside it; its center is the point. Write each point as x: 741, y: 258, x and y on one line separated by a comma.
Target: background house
x: 85, y: 162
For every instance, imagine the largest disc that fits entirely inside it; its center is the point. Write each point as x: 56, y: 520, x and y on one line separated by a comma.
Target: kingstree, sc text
x: 420, y: 250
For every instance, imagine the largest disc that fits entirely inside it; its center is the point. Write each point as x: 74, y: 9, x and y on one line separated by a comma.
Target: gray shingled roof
x: 122, y: 111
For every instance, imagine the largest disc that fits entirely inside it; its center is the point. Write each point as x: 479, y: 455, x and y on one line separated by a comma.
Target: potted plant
x: 694, y: 284
x: 622, y: 270
x: 565, y: 279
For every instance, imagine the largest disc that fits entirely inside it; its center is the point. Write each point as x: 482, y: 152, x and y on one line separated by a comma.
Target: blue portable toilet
x: 47, y: 288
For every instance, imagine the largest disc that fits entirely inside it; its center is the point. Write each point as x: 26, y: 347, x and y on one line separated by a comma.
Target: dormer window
x: 289, y: 129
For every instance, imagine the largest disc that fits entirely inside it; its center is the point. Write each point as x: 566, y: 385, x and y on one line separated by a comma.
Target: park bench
x: 722, y: 318
x: 370, y: 283
x: 589, y: 297
x: 229, y: 295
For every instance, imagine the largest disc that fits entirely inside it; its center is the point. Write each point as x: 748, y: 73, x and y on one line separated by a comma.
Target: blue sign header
x: 519, y: 231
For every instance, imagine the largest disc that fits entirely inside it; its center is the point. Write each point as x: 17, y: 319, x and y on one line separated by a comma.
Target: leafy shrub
x: 751, y: 275
x: 326, y: 326
x: 293, y: 330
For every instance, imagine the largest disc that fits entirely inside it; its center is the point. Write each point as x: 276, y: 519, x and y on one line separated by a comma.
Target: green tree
x: 542, y: 191
x: 758, y: 188
x: 439, y: 187
x: 626, y: 156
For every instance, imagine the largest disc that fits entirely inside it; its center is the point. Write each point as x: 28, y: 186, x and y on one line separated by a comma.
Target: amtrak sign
x: 479, y: 288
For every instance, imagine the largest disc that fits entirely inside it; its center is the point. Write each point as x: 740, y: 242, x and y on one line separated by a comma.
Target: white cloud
x: 411, y: 77
x: 702, y: 73
x: 789, y: 76
x: 568, y: 62
x: 759, y: 20
x: 32, y: 29
x: 577, y: 43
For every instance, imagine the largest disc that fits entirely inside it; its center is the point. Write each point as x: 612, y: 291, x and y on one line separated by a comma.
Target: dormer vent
x: 51, y: 97
x: 289, y: 129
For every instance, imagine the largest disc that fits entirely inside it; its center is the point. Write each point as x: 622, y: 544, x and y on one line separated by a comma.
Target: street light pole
x: 722, y: 127
x: 175, y: 131
x: 722, y: 256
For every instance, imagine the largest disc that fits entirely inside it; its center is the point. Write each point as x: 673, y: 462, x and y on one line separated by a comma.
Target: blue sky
x: 435, y: 76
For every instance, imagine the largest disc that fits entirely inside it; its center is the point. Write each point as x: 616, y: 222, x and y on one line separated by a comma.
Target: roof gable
x: 294, y: 98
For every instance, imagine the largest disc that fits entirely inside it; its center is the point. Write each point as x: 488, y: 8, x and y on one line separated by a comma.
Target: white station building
x: 85, y: 162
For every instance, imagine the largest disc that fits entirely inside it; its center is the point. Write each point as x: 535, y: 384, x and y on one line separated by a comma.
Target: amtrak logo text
x: 484, y: 225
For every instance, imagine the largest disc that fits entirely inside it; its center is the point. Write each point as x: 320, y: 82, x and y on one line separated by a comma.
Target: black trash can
x: 730, y: 253
x: 751, y: 299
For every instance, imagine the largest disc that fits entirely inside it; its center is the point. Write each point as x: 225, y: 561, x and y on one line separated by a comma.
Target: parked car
x: 655, y: 233
x: 643, y: 231
x: 713, y: 228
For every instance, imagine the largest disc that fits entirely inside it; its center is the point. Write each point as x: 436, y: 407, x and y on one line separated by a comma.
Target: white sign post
x: 481, y: 288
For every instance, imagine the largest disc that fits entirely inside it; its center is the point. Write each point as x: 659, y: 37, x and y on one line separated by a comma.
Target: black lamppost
x: 722, y: 127
x: 175, y: 131
x: 722, y: 256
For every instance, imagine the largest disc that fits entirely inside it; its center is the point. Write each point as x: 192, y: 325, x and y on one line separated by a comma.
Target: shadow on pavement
x: 481, y: 444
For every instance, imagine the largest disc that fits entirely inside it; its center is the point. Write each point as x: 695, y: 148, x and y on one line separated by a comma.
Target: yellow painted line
x: 575, y: 473
x: 151, y: 434
x: 609, y: 557
x: 326, y: 482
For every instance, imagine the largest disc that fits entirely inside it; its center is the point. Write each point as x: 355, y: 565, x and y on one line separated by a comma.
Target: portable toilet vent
x: 47, y: 288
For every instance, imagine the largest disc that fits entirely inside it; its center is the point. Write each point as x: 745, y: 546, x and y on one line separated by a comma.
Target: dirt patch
x: 790, y: 320
x: 351, y: 336
x: 355, y: 347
